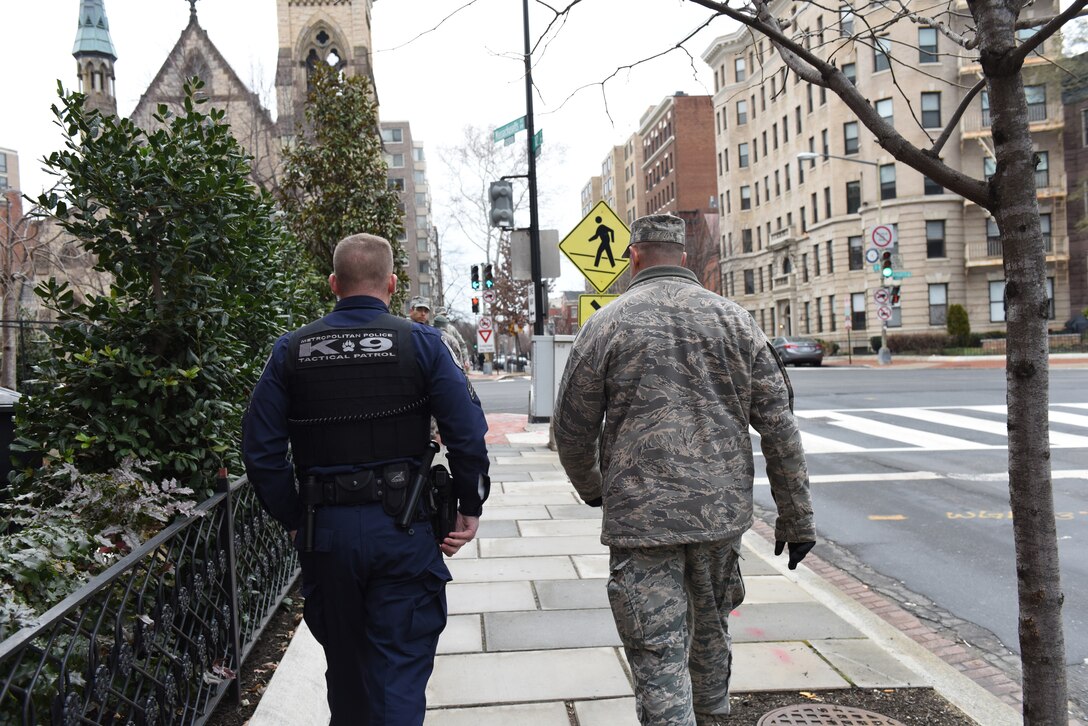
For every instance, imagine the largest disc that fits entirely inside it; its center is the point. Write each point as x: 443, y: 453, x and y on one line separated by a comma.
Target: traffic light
x: 475, y: 304
x: 489, y: 279
x: 502, y: 204
x: 886, y: 265
x: 475, y: 277
x: 895, y: 294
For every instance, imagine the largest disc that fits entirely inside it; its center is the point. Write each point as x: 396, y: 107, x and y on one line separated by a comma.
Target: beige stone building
x: 633, y: 197
x: 591, y: 194
x: 803, y: 186
x: 408, y: 174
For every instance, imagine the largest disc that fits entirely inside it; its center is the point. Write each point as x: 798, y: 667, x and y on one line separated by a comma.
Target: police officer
x: 353, y: 394
x: 651, y: 421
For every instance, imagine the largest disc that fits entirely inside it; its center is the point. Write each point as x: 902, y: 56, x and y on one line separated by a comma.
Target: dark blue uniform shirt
x: 453, y: 403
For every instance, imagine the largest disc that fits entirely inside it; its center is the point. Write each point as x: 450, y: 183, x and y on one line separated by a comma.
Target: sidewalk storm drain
x: 811, y: 714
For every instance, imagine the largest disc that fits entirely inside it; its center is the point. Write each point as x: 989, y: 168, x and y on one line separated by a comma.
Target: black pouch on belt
x: 397, y: 478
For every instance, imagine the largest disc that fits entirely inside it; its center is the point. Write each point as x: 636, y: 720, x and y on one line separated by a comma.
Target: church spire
x: 95, y: 55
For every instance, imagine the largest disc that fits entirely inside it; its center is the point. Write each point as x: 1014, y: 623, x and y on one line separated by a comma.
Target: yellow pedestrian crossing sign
x: 589, y: 304
x: 596, y: 244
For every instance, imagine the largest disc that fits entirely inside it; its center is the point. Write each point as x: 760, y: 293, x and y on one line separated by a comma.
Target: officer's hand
x: 798, y: 550
x: 464, y: 530
x: 595, y: 502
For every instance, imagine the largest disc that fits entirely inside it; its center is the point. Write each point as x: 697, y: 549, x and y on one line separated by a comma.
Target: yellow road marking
x: 887, y: 517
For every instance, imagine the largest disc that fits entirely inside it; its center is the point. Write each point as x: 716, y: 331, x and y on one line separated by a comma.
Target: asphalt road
x: 909, y: 478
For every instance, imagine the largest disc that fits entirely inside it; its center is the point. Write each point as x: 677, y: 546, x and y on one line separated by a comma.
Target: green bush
x: 918, y: 343
x: 875, y: 342
x: 830, y: 348
x: 959, y: 327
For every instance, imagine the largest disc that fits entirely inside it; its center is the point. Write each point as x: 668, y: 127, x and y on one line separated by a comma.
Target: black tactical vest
x: 356, y: 394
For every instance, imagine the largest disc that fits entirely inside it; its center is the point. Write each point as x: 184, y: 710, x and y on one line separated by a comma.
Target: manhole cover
x: 824, y: 715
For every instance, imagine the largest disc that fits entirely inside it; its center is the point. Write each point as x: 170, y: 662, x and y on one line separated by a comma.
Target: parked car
x: 799, y: 350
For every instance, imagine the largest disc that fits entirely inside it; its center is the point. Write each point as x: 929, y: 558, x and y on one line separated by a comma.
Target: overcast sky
x: 469, y: 71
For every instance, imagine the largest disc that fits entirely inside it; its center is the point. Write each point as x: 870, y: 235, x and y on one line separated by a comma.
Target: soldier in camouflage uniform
x: 652, y: 421
x: 453, y: 340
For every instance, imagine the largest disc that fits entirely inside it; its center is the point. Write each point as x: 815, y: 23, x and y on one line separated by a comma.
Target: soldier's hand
x: 464, y: 530
x: 798, y: 550
x: 599, y: 501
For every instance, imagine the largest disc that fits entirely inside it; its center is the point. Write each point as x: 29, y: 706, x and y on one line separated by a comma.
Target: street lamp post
x: 884, y: 355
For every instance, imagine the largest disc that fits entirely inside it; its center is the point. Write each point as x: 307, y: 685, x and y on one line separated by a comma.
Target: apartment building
x: 1075, y: 103
x: 408, y: 175
x: 678, y: 155
x: 591, y: 194
x: 612, y: 181
x: 803, y: 185
x: 633, y: 198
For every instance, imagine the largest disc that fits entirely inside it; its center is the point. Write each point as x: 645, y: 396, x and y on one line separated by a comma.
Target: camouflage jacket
x: 653, y: 415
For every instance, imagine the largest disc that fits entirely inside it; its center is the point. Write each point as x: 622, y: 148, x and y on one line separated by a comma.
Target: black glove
x: 595, y: 502
x: 798, y: 550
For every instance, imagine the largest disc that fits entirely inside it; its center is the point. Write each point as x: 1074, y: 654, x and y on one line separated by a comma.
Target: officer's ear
x: 392, y: 284
x: 333, y: 285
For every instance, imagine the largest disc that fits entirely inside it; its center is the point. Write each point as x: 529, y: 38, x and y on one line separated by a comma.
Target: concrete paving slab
x: 296, y: 694
x: 504, y: 476
x: 550, y: 629
x: 866, y: 664
x: 781, y: 667
x: 462, y: 635
x: 519, y: 677
x: 771, y: 588
x: 571, y: 594
x: 469, y: 552
x: 499, y: 499
x: 484, y: 597
x: 592, y: 565
x: 536, y: 546
x: 554, y: 476
x: 528, y: 437
x: 521, y: 512
x: 787, y: 621
x: 531, y: 714
x: 609, y: 712
x: 499, y: 469
x: 750, y: 563
x: 496, y: 527
x: 574, y: 511
x: 510, y: 486
x: 559, y: 527
x: 505, y: 569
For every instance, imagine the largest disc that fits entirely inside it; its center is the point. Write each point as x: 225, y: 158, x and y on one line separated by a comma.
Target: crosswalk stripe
x: 930, y: 415
x: 1058, y: 439
x: 901, y: 476
x: 902, y: 434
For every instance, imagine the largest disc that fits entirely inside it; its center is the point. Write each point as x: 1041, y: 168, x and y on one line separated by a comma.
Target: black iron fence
x: 157, y: 638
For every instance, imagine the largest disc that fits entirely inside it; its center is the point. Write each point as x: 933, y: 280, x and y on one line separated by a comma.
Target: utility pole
x: 539, y: 303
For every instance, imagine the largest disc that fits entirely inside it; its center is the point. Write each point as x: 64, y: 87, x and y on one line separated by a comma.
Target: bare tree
x: 999, y: 36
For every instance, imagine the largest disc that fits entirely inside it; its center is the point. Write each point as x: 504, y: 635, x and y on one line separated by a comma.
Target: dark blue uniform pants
x: 376, y: 601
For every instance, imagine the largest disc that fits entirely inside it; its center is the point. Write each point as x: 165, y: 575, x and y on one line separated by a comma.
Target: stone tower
x: 315, y: 31
x: 95, y: 56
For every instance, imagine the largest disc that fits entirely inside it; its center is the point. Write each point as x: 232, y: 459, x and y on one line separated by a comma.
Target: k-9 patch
x: 337, y: 347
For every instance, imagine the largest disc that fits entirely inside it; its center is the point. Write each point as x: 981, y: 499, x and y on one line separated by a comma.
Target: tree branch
x: 956, y: 115
x: 1017, y: 57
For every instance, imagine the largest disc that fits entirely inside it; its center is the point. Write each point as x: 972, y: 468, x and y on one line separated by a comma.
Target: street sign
x: 884, y: 312
x: 881, y: 296
x: 485, y: 341
x: 510, y: 129
x: 872, y: 255
x: 595, y: 246
x: 484, y: 323
x: 490, y: 296
x: 883, y: 235
x: 538, y: 141
x: 589, y: 304
x: 900, y: 274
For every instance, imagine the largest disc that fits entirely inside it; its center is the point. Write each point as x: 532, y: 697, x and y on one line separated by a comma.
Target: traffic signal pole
x: 534, y: 224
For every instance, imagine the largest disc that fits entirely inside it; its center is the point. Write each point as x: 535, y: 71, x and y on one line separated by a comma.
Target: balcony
x: 783, y: 237
x: 989, y: 251
x: 782, y: 283
x: 1047, y: 116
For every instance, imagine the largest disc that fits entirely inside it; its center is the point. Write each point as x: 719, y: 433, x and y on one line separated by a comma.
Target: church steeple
x: 95, y: 55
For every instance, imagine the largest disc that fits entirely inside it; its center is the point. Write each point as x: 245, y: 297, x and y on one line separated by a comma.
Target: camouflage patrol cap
x: 656, y: 228
x: 419, y: 302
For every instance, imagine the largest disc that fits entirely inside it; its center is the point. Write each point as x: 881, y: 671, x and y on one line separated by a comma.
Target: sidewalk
x: 530, y: 630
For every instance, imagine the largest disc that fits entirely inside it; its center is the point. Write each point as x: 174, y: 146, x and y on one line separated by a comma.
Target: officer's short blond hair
x: 363, y: 262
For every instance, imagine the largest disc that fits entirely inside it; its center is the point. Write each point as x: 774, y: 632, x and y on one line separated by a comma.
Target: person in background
x: 419, y: 310
x: 652, y: 422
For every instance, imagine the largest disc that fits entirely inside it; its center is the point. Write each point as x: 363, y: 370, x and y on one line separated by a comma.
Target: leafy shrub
x: 959, y: 327
x: 830, y: 348
x: 875, y: 343
x: 918, y: 343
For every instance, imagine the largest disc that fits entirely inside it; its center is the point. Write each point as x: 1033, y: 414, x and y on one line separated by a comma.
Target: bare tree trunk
x: 1015, y: 208
x: 11, y: 332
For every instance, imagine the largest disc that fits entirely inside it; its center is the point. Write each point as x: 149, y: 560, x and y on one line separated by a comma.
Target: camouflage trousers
x: 671, y: 605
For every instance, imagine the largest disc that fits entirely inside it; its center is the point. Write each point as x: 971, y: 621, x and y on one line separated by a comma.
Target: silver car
x: 799, y: 350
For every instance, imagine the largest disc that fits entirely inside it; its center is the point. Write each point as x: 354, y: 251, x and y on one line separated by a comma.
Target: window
x: 935, y: 238
x: 831, y: 312
x: 745, y: 197
x: 777, y: 186
x: 931, y: 110
x: 419, y: 177
x: 396, y: 161
x: 985, y: 109
x: 931, y: 187
x: 742, y: 155
x: 830, y: 259
x: 1024, y: 34
x: 938, y: 304
x: 815, y: 209
x: 421, y: 199
x: 1084, y: 126
x: 827, y: 202
x: 1044, y: 225
x: 997, y: 301
x: 1036, y: 97
x: 993, y: 238
x: 396, y: 183
x: 853, y: 197
x: 421, y: 221
x: 1042, y: 169
x: 827, y: 146
x: 739, y: 69
x: 881, y: 50
x: 746, y: 240
x: 927, y: 45
x: 797, y: 121
x: 857, y: 310
x: 887, y: 181
x: 808, y: 88
x: 819, y: 315
x: 850, y: 70
x: 989, y: 167
x: 394, y: 136
x: 850, y: 137
x: 764, y: 143
x: 417, y: 153
x: 884, y: 110
x: 3, y: 163
x: 804, y: 267
x: 846, y: 20
x: 1050, y: 295
x: 742, y: 112
x: 774, y: 135
x: 424, y: 267
x: 787, y: 175
x: 425, y: 288
x: 749, y: 282
x: 857, y: 254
